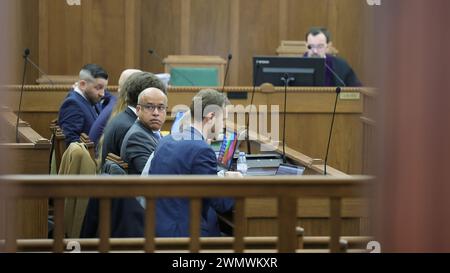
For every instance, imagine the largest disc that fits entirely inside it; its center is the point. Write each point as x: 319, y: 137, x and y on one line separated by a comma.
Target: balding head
x: 152, y: 108
x: 152, y: 92
x: 125, y: 75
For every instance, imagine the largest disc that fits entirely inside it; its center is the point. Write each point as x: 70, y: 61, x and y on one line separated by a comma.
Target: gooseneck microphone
x: 153, y: 53
x: 286, y: 79
x: 26, y: 53
x: 230, y: 56
x: 41, y: 72
x: 336, y: 76
x: 26, y: 61
x: 338, y: 91
x: 247, y: 136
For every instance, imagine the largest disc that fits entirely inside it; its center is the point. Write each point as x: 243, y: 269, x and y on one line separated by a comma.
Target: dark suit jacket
x: 137, y: 146
x: 76, y: 116
x: 115, y: 131
x: 98, y: 126
x: 343, y: 70
x: 127, y: 215
x: 180, y: 154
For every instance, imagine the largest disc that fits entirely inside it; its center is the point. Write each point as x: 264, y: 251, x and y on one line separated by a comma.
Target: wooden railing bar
x: 58, y: 231
x: 150, y: 225
x: 105, y: 224
x: 239, y: 225
x: 11, y: 233
x: 335, y: 224
x: 287, y: 221
x: 195, y: 218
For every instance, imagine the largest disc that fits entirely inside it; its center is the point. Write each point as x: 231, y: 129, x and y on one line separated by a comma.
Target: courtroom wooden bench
x: 116, y: 159
x: 286, y: 189
x: 59, y: 145
x: 208, y: 244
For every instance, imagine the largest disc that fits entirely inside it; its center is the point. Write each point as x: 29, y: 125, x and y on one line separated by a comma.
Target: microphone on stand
x: 247, y: 136
x: 42, y: 72
x: 338, y: 91
x: 335, y: 75
x: 153, y: 53
x: 230, y: 56
x: 25, y: 61
x: 286, y: 79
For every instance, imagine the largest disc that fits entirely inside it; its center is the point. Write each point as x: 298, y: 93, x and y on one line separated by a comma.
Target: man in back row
x: 99, y: 125
x: 81, y: 107
x: 116, y: 128
x: 318, y: 40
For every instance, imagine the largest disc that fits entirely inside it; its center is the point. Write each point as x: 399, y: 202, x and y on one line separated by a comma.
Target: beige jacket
x: 76, y: 160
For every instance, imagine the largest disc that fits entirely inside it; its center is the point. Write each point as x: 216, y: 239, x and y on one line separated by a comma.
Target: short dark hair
x: 208, y: 97
x: 93, y: 70
x: 316, y: 31
x: 137, y: 83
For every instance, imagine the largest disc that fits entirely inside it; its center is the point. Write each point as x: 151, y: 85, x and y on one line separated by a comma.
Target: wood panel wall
x: 117, y: 33
x: 23, y: 32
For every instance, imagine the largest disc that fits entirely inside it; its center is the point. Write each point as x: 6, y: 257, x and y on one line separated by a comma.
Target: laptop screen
x: 227, y: 149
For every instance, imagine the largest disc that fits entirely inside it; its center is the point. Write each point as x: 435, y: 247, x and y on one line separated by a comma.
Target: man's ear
x: 210, y: 115
x: 82, y: 84
x: 329, y: 45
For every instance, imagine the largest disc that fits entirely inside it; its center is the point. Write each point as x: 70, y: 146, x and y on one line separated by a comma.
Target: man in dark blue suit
x: 187, y: 152
x: 81, y: 106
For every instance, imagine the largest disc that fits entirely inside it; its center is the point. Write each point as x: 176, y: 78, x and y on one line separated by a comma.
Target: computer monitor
x: 227, y: 149
x: 304, y: 71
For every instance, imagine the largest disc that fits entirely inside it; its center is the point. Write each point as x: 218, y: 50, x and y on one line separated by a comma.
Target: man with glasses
x: 142, y: 138
x: 82, y: 105
x: 318, y: 40
x: 134, y: 140
x: 117, y: 127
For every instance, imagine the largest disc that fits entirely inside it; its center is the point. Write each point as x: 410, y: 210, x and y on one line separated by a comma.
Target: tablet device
x: 288, y: 169
x: 227, y: 150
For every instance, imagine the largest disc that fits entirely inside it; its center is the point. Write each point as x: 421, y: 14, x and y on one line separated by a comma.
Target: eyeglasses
x: 318, y: 47
x: 152, y: 107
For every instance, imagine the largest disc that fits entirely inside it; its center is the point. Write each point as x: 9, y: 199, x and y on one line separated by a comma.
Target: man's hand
x: 233, y: 174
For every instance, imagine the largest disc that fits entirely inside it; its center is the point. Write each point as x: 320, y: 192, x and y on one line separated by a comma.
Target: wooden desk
x: 31, y: 156
x: 286, y: 190
x: 313, y: 214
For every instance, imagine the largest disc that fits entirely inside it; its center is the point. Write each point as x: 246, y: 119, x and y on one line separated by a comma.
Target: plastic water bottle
x: 242, y: 163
